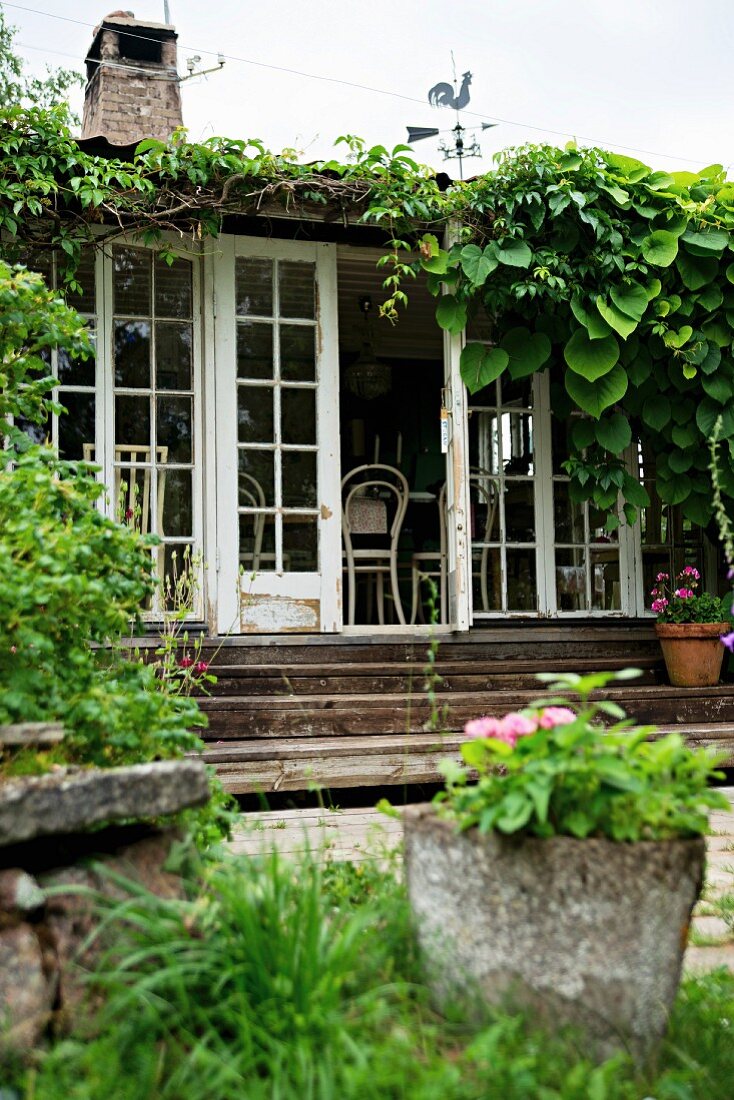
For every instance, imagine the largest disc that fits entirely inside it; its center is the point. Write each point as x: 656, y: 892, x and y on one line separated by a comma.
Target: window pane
x: 296, y: 290
x: 485, y: 513
x: 519, y: 511
x: 521, y: 586
x: 253, y: 287
x: 487, y: 580
x: 133, y: 496
x: 483, y: 442
x: 256, y: 480
x: 597, y: 527
x: 84, y: 302
x: 255, y: 414
x: 174, y: 502
x: 297, y: 353
x: 173, y: 288
x: 257, y: 543
x: 173, y: 356
x: 75, y: 371
x: 132, y: 354
x: 571, y: 580
x: 299, y: 479
x: 568, y: 515
x: 516, y: 393
x: 173, y: 563
x: 298, y: 416
x: 132, y: 423
x: 76, y: 426
x: 131, y: 281
x: 300, y: 544
x: 254, y: 350
x: 37, y: 433
x: 606, y: 590
x: 174, y: 427
x: 517, y: 444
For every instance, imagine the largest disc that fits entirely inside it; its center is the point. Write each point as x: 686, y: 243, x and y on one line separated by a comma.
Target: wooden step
x: 290, y: 764
x: 237, y: 717
x: 381, y: 678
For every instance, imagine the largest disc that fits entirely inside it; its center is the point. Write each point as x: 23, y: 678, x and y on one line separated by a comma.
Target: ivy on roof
x: 620, y: 277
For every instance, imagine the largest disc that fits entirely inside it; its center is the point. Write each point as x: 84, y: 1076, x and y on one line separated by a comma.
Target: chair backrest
x: 488, y: 488
x: 372, y: 480
x: 254, y: 495
x: 132, y: 482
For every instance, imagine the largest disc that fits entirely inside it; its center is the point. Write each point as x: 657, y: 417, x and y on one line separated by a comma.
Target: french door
x: 277, y: 436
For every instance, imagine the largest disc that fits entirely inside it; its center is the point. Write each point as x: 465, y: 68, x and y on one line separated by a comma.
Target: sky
x: 650, y: 78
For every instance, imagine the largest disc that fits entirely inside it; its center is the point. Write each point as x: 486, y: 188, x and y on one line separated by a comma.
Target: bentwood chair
x: 374, y: 501
x: 487, y: 491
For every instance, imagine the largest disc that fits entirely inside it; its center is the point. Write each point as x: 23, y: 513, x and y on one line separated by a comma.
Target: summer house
x: 315, y: 462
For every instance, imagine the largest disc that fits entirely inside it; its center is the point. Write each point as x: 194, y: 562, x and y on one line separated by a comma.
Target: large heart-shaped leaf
x: 478, y: 263
x: 660, y: 248
x: 656, y: 412
x: 698, y: 508
x: 680, y: 462
x: 614, y: 433
x: 514, y: 254
x: 594, y: 397
x: 718, y: 386
x: 696, y: 271
x: 704, y: 242
x: 480, y: 365
x: 631, y: 300
x: 716, y: 332
x: 591, y: 358
x: 451, y: 314
x: 438, y: 264
x: 595, y: 325
x: 527, y: 350
x: 619, y: 321
x: 675, y: 489
x: 711, y: 298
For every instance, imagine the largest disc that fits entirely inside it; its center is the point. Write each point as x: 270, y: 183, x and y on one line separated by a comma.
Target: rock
x: 74, y: 799
x: 71, y: 917
x: 26, y: 996
x: 19, y: 892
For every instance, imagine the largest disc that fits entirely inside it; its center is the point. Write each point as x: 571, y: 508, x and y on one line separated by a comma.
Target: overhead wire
x: 357, y: 86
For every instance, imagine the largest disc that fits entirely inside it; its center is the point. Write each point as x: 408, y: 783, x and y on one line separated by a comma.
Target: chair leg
x: 380, y: 599
x: 443, y: 582
x: 396, y: 589
x: 351, y: 584
x: 416, y: 585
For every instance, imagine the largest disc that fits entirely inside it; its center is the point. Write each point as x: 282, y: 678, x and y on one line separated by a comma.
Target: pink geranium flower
x: 728, y: 641
x: 684, y: 593
x: 555, y: 716
x: 659, y: 605
x: 481, y: 727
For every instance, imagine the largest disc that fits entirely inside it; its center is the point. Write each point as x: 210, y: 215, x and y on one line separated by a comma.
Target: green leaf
x: 680, y: 462
x: 696, y: 271
x: 591, y: 358
x: 451, y: 314
x: 614, y: 433
x: 684, y: 435
x: 707, y: 412
x: 677, y: 339
x: 594, y: 397
x: 527, y: 351
x: 660, y: 248
x: 634, y: 492
x: 656, y: 412
x: 582, y: 432
x: 674, y: 490
x: 703, y: 242
x: 698, y: 508
x: 730, y: 273
x: 614, y: 317
x: 717, y: 332
x: 438, y: 264
x: 514, y: 254
x: 631, y: 300
x: 480, y: 365
x: 711, y: 298
x: 718, y: 386
x: 596, y: 327
x: 477, y: 264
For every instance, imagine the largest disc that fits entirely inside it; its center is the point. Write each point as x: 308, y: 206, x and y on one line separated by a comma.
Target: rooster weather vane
x: 445, y: 94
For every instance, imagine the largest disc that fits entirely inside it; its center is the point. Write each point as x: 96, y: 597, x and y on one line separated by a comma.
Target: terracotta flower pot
x: 588, y: 932
x: 693, y: 652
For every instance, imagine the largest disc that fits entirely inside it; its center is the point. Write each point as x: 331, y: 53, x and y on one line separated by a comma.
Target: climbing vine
x: 617, y: 278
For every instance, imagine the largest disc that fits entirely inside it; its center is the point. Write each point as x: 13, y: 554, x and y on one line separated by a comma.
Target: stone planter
x: 587, y: 932
x: 693, y: 652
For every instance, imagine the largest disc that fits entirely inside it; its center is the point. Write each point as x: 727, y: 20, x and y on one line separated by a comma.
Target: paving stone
x: 73, y: 799
x: 713, y: 927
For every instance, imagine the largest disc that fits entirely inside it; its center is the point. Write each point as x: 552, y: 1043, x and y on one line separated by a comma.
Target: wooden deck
x: 291, y: 712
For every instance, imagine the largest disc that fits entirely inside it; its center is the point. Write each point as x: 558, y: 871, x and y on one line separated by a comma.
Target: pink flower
x: 662, y: 577
x: 728, y: 641
x: 683, y: 593
x: 730, y: 573
x: 690, y: 571
x: 186, y: 662
x: 201, y: 667
x: 659, y: 605
x: 481, y: 727
x: 556, y: 716
x: 128, y: 514
x: 515, y: 725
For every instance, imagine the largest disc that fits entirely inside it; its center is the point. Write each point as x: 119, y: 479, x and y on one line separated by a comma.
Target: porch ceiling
x: 415, y: 336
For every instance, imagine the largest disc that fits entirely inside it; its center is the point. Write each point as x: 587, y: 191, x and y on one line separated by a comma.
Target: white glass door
x: 277, y: 437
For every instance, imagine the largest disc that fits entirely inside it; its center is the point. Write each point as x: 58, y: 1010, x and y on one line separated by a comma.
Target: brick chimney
x: 132, y: 81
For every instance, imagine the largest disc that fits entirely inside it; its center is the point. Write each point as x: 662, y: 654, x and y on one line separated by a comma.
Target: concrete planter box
x: 586, y: 932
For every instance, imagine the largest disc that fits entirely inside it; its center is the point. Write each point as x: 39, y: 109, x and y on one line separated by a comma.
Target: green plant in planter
x: 679, y: 602
x: 555, y: 769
